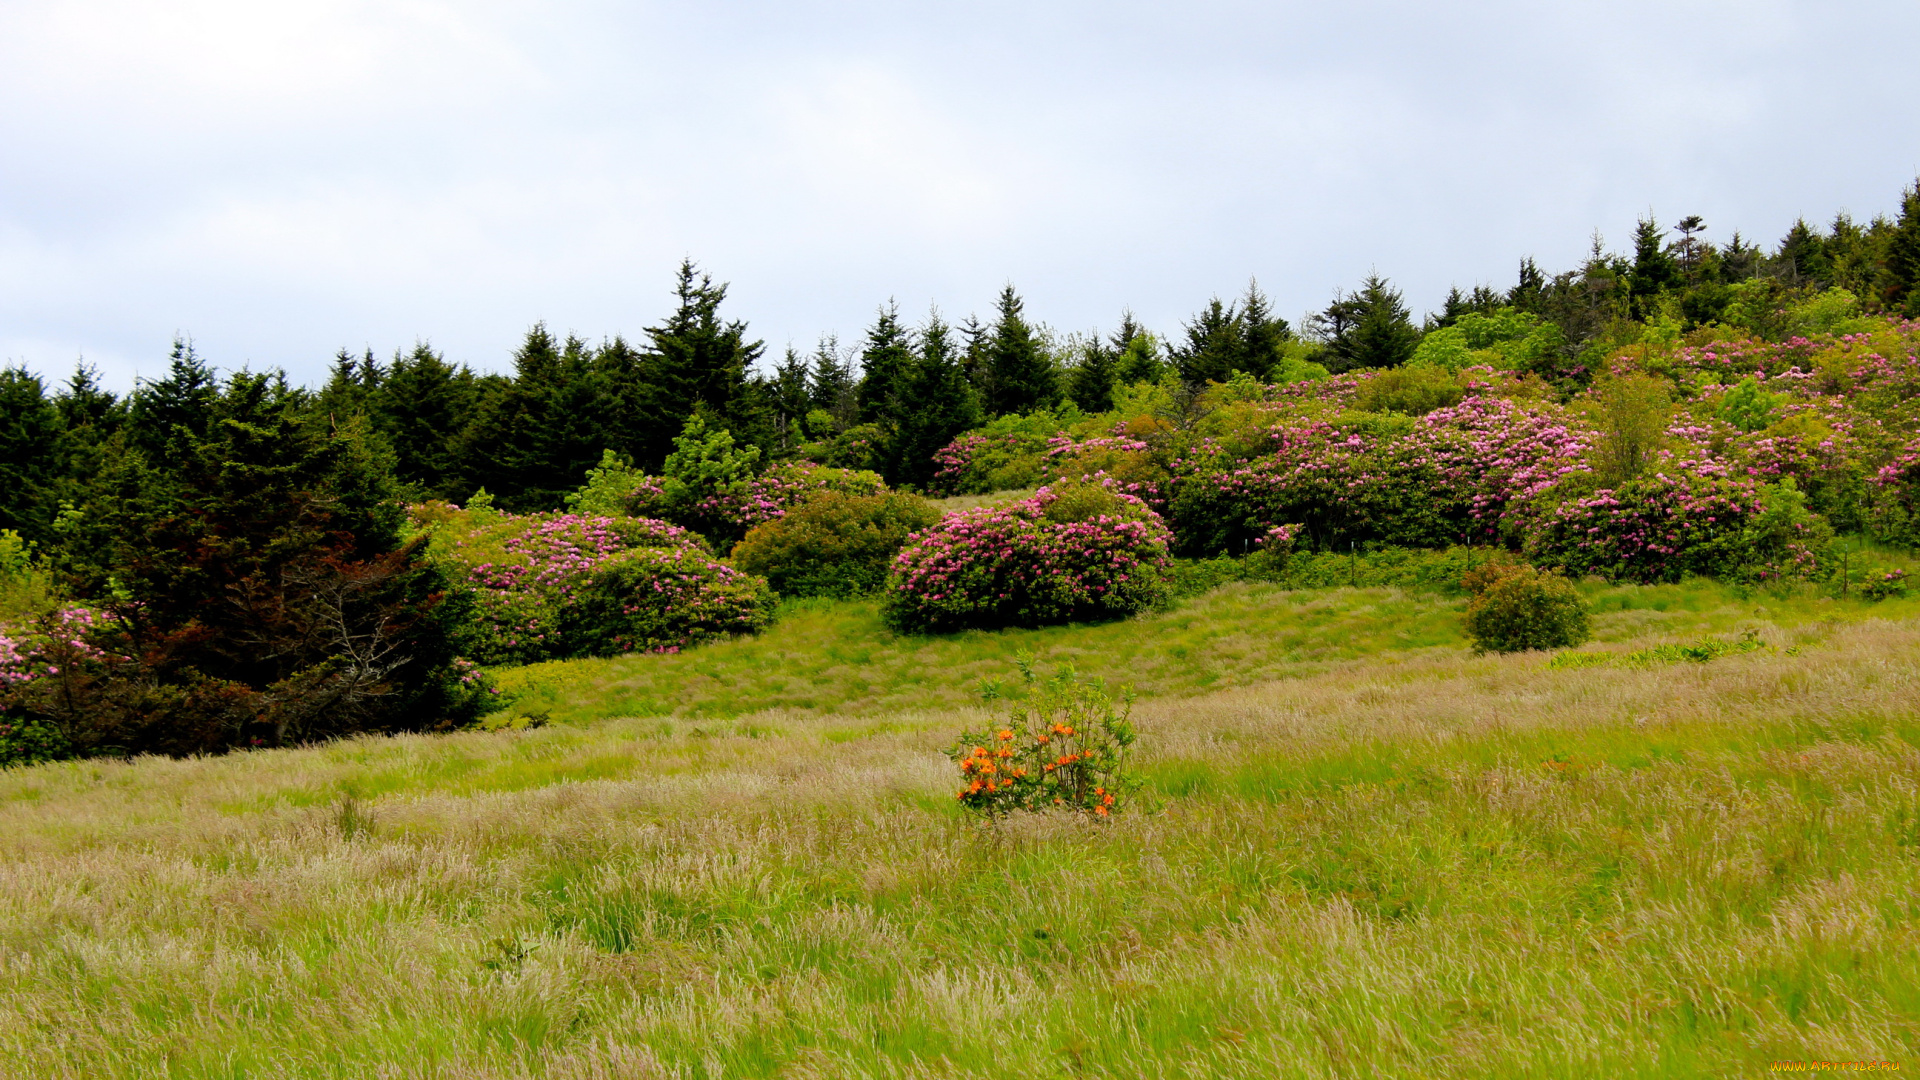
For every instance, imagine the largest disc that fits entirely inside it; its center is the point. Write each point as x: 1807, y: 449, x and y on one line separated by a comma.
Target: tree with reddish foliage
x: 258, y: 590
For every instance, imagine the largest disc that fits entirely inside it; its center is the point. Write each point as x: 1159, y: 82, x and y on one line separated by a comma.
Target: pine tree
x: 697, y: 358
x: 936, y: 405
x: 1216, y: 345
x: 1654, y: 270
x: 1528, y: 291
x: 1369, y: 328
x: 1020, y: 376
x: 831, y: 388
x: 792, y: 399
x: 1264, y: 334
x: 1901, y: 291
x: 164, y: 413
x: 1090, y: 380
x: 30, y: 465
x: 420, y: 409
x: 1136, y: 352
x: 884, y: 362
x: 1803, y: 255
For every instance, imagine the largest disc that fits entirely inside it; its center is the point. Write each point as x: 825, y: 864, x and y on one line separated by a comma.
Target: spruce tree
x: 421, y: 408
x: 1654, y: 270
x: 792, y: 398
x: 30, y: 465
x: 1803, y: 255
x: 1901, y: 291
x: 1369, y: 328
x: 1090, y: 380
x: 1020, y: 376
x: 165, y: 413
x: 936, y: 405
x: 884, y: 362
x: 1528, y: 292
x: 1263, y: 333
x: 1215, y: 348
x: 831, y: 386
x: 699, y: 358
x: 1136, y: 352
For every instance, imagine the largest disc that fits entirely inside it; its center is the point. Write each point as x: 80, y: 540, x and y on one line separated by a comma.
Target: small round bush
x: 1526, y: 609
x: 660, y: 599
x: 834, y: 544
x: 1073, y: 551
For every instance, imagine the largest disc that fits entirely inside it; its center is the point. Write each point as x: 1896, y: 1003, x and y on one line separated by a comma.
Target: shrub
x: 1887, y: 585
x: 834, y: 544
x: 732, y: 513
x: 659, y: 599
x: 1414, y: 390
x: 1526, y: 609
x: 1074, y: 551
x: 1064, y: 748
x: 1894, y: 513
x: 550, y: 586
x: 1663, y: 526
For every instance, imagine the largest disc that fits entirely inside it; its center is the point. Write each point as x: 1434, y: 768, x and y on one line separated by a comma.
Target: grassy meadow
x: 1372, y: 854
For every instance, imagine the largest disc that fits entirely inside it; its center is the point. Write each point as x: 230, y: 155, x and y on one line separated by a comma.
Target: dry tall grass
x: 1424, y: 864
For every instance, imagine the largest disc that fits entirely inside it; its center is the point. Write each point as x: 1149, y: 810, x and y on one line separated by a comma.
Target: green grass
x: 1397, y: 859
x: 837, y: 655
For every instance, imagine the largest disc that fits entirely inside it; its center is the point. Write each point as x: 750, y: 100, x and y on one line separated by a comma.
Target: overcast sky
x: 279, y: 180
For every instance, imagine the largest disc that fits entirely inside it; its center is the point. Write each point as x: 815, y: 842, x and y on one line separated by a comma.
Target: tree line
x: 892, y: 398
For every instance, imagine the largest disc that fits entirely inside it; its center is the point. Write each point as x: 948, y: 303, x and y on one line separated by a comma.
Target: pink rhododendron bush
x: 549, y: 586
x: 33, y: 653
x: 1076, y: 550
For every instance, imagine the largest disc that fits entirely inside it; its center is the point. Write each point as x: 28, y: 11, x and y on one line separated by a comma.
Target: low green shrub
x: 1414, y: 390
x: 1527, y: 609
x: 834, y: 544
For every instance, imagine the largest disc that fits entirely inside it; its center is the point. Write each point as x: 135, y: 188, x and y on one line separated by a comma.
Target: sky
x: 280, y: 181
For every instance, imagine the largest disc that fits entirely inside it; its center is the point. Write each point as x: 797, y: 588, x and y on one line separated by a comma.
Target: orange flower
x: 1042, y: 740
x: 1005, y: 735
x: 1101, y: 810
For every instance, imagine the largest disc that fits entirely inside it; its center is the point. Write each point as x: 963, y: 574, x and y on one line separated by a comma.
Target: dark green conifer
x: 1020, y: 376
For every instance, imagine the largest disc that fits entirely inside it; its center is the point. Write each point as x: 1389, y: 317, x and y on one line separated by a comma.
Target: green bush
x: 1527, y: 609
x: 834, y: 544
x: 1414, y: 390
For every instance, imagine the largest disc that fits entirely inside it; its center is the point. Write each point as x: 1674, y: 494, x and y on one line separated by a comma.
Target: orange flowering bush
x: 1064, y: 747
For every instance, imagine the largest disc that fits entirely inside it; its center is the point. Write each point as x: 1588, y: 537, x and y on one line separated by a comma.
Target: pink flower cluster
x: 780, y: 489
x: 1098, y: 554
x: 35, y: 652
x: 1654, y: 528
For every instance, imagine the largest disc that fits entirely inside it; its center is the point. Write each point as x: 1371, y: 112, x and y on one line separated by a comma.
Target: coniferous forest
x: 222, y: 559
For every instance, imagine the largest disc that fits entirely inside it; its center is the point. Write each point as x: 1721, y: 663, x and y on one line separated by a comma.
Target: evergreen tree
x: 1263, y: 333
x: 1136, y: 352
x: 1529, y: 289
x: 165, y: 414
x: 792, y: 398
x: 831, y: 387
x: 1901, y: 291
x: 421, y: 409
x: 350, y: 385
x: 90, y: 417
x: 698, y: 358
x: 1215, y: 348
x: 30, y: 459
x: 1020, y: 376
x: 1368, y: 329
x: 1803, y: 255
x: 884, y: 363
x: 936, y: 405
x: 1090, y: 380
x: 1739, y: 260
x: 1654, y: 270
x: 262, y: 587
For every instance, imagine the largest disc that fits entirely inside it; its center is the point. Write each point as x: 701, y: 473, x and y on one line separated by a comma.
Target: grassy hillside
x: 1376, y: 855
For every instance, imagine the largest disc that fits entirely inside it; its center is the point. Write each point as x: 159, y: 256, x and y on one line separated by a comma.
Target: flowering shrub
x: 834, y: 544
x: 1663, y: 525
x: 1522, y: 609
x: 659, y: 599
x: 31, y: 658
x: 1072, y: 551
x: 1064, y: 748
x: 737, y: 509
x: 1894, y: 516
x: 548, y: 586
